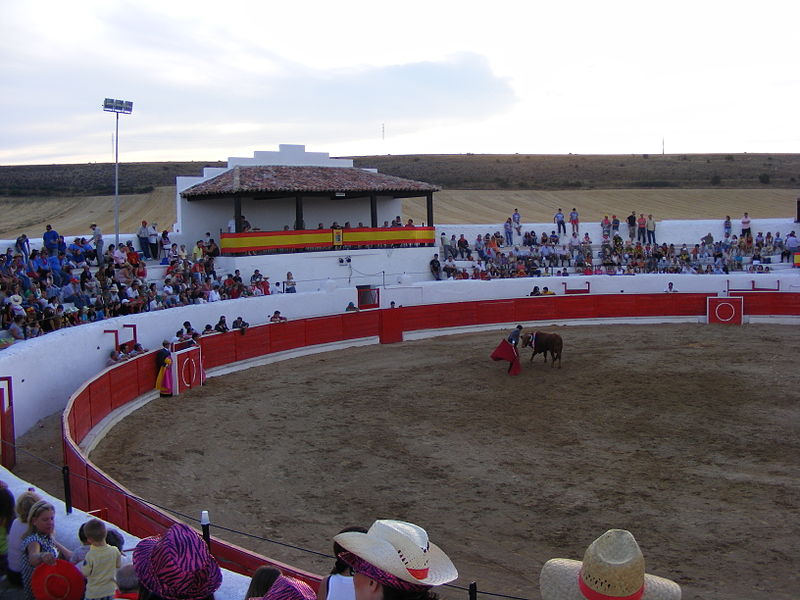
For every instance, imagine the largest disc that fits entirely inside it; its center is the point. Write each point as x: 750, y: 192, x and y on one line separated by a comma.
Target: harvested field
x: 72, y: 215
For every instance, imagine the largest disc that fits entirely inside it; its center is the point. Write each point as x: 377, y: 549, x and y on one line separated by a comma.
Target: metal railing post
x: 205, y: 523
x: 67, y: 490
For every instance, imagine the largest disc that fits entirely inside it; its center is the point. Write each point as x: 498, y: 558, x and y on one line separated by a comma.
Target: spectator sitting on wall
x: 240, y: 324
x: 290, y: 285
x: 277, y: 317
x: 436, y: 267
x: 222, y: 325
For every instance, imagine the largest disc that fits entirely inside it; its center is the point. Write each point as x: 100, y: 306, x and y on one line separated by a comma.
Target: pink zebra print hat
x: 177, y: 565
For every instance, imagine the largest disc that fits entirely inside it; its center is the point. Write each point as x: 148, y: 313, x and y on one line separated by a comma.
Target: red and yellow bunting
x: 253, y: 241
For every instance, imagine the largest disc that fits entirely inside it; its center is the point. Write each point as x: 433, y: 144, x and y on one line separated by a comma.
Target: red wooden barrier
x: 82, y: 412
x: 391, y: 326
x: 254, y: 342
x: 287, y: 336
x: 100, y: 398
x: 322, y: 330
x: 126, y: 386
x: 535, y: 308
x: 360, y: 324
x: 78, y: 484
x: 146, y: 372
x: 496, y: 311
x: 419, y: 317
x: 104, y: 493
x: 458, y: 314
x: 144, y: 520
x: 217, y: 349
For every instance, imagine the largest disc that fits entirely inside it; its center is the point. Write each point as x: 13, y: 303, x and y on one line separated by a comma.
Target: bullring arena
x: 680, y: 431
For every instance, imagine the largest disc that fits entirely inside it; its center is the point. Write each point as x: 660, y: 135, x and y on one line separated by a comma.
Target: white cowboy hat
x: 401, y: 549
x: 16, y: 299
x: 612, y: 567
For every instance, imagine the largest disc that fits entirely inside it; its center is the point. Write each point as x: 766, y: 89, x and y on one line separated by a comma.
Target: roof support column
x: 373, y: 209
x: 298, y: 212
x: 237, y: 214
x: 430, y: 209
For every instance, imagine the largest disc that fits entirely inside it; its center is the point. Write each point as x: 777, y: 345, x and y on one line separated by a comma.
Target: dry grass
x: 72, y: 216
x: 492, y: 206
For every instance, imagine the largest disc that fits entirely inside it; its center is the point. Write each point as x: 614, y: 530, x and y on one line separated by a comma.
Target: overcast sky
x: 215, y: 79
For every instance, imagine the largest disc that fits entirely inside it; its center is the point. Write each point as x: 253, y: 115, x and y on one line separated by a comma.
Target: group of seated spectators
x: 43, y: 290
x: 491, y: 256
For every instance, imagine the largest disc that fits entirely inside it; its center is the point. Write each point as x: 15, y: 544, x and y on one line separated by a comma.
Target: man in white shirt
x: 144, y: 239
x: 152, y: 239
x: 97, y: 238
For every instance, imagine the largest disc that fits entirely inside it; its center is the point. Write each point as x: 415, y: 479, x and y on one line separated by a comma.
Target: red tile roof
x: 272, y: 179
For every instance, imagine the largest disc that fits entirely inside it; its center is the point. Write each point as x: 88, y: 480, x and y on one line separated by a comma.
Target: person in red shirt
x: 641, y: 228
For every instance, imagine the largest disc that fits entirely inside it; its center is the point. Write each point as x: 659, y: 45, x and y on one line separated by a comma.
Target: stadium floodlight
x: 118, y: 107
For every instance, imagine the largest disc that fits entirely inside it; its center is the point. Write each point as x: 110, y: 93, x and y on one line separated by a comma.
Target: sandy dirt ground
x: 687, y: 435
x: 72, y: 216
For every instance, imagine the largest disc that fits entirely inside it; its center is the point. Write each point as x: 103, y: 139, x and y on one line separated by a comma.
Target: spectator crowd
x: 496, y: 255
x: 63, y: 285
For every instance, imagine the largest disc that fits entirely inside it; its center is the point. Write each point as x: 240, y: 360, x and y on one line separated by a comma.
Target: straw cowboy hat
x: 612, y: 569
x: 16, y: 299
x: 400, y: 549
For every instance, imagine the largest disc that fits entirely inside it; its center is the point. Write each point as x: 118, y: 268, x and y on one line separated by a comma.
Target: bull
x: 542, y: 343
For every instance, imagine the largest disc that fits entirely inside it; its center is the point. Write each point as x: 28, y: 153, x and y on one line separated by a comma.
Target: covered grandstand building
x: 294, y: 191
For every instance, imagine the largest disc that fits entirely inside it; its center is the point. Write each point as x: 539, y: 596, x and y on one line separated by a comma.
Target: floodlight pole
x: 116, y: 181
x: 125, y: 107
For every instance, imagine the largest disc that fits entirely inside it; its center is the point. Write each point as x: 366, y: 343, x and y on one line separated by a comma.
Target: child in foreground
x: 101, y: 562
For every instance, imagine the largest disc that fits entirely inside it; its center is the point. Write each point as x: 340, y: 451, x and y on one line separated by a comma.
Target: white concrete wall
x: 312, y: 269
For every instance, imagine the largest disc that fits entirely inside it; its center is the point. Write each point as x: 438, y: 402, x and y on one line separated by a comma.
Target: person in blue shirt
x: 38, y: 263
x: 56, y: 262
x: 50, y: 239
x: 75, y: 253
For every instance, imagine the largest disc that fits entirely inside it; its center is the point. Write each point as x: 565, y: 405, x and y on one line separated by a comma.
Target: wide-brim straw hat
x: 400, y: 549
x: 15, y: 299
x: 612, y: 569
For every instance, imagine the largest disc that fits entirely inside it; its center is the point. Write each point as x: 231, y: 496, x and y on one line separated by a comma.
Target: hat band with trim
x: 591, y: 594
x: 359, y: 565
